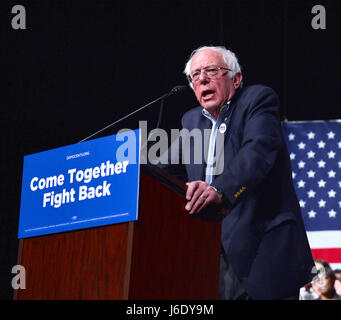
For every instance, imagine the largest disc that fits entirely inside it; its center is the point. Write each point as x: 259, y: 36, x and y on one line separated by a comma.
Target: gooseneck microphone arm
x: 160, y: 113
x: 175, y: 90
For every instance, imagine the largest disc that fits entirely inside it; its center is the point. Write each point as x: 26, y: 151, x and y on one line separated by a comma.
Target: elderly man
x: 265, y: 253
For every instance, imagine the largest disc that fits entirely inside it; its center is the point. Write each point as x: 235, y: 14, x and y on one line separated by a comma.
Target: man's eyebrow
x: 210, y: 66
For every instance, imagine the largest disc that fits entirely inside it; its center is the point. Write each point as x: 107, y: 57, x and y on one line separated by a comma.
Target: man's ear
x: 237, y: 80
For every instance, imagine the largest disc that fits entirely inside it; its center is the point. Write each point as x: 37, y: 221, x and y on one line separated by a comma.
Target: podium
x: 165, y: 255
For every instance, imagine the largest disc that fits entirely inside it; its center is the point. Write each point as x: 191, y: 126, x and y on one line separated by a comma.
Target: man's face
x: 212, y: 93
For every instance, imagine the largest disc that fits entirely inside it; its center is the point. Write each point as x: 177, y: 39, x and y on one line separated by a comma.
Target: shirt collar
x: 222, y: 113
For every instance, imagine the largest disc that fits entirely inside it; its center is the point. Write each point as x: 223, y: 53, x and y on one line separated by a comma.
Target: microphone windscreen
x: 178, y: 89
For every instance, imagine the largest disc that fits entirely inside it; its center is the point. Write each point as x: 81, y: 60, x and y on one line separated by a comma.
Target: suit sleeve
x: 261, y: 140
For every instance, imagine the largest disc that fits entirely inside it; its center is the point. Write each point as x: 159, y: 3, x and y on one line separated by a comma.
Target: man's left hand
x: 199, y: 195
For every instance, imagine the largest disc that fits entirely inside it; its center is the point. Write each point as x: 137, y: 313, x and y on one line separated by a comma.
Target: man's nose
x: 203, y: 77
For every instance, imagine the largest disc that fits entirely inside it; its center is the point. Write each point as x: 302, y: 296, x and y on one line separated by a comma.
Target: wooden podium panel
x: 165, y: 254
x: 83, y: 264
x: 174, y: 255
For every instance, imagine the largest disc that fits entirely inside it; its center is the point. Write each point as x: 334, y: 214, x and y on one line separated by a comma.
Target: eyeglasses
x: 210, y: 72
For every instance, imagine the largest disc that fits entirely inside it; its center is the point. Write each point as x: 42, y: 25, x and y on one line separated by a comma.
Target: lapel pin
x: 222, y: 128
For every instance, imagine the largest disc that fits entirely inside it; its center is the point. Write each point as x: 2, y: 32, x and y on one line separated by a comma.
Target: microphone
x: 175, y: 90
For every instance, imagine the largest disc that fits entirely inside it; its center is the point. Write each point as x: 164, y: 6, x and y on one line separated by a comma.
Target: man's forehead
x: 206, y: 57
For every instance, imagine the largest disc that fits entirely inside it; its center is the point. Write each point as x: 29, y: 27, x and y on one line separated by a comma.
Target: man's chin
x: 210, y: 106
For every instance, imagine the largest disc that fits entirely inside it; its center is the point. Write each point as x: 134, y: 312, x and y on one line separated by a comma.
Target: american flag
x: 315, y: 153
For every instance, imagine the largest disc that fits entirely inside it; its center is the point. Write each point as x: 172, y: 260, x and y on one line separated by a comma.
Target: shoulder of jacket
x: 192, y: 114
x: 256, y: 89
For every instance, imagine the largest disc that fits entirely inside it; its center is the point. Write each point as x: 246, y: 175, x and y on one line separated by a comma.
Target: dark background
x: 81, y: 65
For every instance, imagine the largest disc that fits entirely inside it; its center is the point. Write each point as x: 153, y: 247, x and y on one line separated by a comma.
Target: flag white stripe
x: 324, y: 239
x: 335, y: 266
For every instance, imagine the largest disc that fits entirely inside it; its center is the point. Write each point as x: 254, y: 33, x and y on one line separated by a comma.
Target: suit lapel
x: 223, y: 151
x: 198, y: 170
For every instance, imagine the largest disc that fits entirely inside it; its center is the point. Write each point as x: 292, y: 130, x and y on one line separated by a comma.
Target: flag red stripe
x: 331, y: 255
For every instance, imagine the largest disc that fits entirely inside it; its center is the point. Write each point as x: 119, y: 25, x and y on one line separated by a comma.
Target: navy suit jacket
x: 263, y: 234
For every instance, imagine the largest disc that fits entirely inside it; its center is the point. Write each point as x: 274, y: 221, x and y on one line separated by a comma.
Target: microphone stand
x: 160, y: 113
x: 173, y: 91
x: 126, y: 116
x: 157, y: 126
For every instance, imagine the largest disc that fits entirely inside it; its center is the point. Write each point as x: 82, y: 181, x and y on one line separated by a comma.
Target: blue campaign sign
x: 80, y: 186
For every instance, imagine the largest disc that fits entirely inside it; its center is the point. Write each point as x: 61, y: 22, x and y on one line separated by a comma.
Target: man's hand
x: 199, y: 195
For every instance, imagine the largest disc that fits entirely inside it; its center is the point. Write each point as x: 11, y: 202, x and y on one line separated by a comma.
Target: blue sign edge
x: 25, y: 236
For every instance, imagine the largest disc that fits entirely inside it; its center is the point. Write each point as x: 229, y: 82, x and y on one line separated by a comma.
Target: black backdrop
x: 81, y: 65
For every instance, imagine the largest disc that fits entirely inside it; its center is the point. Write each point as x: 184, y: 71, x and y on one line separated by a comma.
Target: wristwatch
x: 225, y: 204
x: 218, y: 191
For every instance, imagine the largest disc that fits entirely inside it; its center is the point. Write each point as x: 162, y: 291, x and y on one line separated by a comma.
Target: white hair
x: 228, y: 56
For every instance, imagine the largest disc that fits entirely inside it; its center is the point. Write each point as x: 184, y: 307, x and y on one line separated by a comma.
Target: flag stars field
x: 311, y: 193
x: 331, y: 194
x: 322, y: 203
x: 301, y: 146
x: 331, y: 154
x: 311, y: 135
x: 331, y: 135
x: 331, y: 174
x: 312, y: 214
x: 301, y: 164
x: 301, y: 184
x: 315, y: 154
x: 332, y: 213
x: 322, y: 183
x: 311, y: 154
x: 321, y: 144
x: 321, y: 164
x: 311, y: 174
